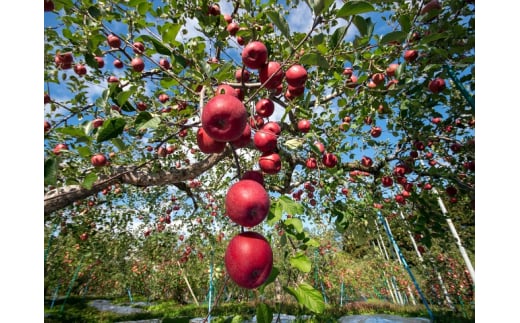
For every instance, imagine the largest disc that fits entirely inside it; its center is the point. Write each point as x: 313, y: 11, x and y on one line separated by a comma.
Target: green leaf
x: 404, y: 21
x: 354, y: 8
x: 123, y: 97
x: 146, y: 121
x: 263, y: 313
x: 301, y: 262
x: 50, y: 171
x: 294, y: 143
x: 334, y: 39
x: 84, y: 151
x: 316, y: 6
x: 89, y: 180
x: 159, y: 47
x: 275, y: 213
x: 118, y: 142
x: 307, y: 296
x: 76, y: 132
x: 314, y: 59
x: 170, y: 33
x: 290, y: 206
x: 280, y: 23
x: 111, y: 128
x: 296, y: 223
x: 94, y: 11
x: 398, y: 36
x: 272, y: 277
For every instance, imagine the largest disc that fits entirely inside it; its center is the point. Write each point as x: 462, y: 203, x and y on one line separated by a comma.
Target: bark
x: 62, y: 197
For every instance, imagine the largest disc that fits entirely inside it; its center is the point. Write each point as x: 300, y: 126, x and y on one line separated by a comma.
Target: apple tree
x: 154, y: 109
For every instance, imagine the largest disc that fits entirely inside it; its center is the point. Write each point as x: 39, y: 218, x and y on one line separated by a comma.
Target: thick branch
x: 141, y: 177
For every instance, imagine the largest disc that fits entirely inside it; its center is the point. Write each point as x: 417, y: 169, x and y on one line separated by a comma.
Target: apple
x: 330, y: 160
x: 247, y: 203
x: 375, y: 132
x: 368, y: 120
x: 118, y: 63
x: 256, y: 122
x: 265, y: 140
x: 436, y: 120
x: 113, y: 41
x: 141, y: 106
x: 233, y: 28
x: 451, y: 191
x: 137, y: 64
x: 138, y: 47
x: 224, y: 117
x: 165, y: 63
x: 352, y: 82
x: 419, y: 145
x: 399, y: 198
x: 98, y: 122
x: 437, y: 85
x: 295, y: 91
x: 427, y: 186
x: 46, y: 98
x: 311, y: 163
x: 214, y: 10
x: 348, y: 72
x: 411, y: 55
x: 264, y: 108
x: 254, y: 55
x: 100, y: 61
x: 366, y: 161
x: 391, y: 69
x: 207, y: 144
x: 84, y: 236
x: 254, y: 175
x: 46, y: 125
x: 378, y: 78
x: 387, y: 181
x: 226, y: 89
x: 320, y: 146
x: 48, y: 5
x: 244, y: 139
x: 431, y: 5
x: 242, y: 75
x: 98, y: 160
x: 240, y: 40
x: 296, y: 75
x: 163, y: 97
x: 304, y: 125
x: 273, y: 72
x: 249, y: 259
x: 80, y: 69
x: 213, y: 60
x: 270, y: 163
x: 59, y: 147
x: 272, y: 126
x: 414, y: 154
x: 228, y: 18
x: 113, y: 79
x: 64, y: 61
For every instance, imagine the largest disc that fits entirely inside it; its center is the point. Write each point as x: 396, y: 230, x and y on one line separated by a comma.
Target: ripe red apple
x: 254, y: 55
x: 141, y: 106
x: 437, y: 85
x: 254, y: 175
x: 399, y: 198
x: 224, y: 117
x: 451, y: 190
x: 295, y: 91
x: 256, y: 122
x: 165, y: 63
x: 366, y: 161
x: 264, y: 108
x: 330, y: 160
x: 387, y: 181
x: 207, y: 144
x: 378, y: 78
x: 137, y: 64
x: 427, y: 186
x: 59, y: 147
x: 391, y: 69
x: 84, y: 236
x: 270, y: 163
x: 233, y: 28
x: 138, y: 47
x: 226, y: 89
x: 100, y: 61
x: 320, y: 147
x: 113, y: 79
x: 431, y: 5
x: 311, y: 163
x: 352, y: 82
x: 163, y: 97
x: 98, y: 122
x: 265, y: 140
x: 272, y: 126
x: 214, y: 10
x: 274, y: 71
x: 411, y: 55
x: 244, y: 139
x: 48, y: 5
x: 348, y: 72
x: 228, y: 18
x: 296, y: 75
x: 98, y: 160
x: 46, y: 125
x: 304, y: 125
x: 118, y: 63
x: 240, y: 40
x: 436, y: 120
x: 249, y: 259
x: 242, y: 75
x: 46, y: 98
x: 63, y: 60
x: 80, y: 69
x: 247, y: 203
x: 375, y: 132
x: 113, y: 41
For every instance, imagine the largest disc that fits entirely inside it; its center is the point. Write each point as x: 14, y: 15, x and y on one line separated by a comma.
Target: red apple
x: 451, y: 191
x: 141, y: 106
x: 98, y: 160
x: 244, y: 139
x: 113, y: 79
x: 84, y: 236
x: 256, y: 122
x: 233, y: 28
x: 378, y: 78
x: 296, y: 75
x: 295, y: 91
x: 48, y: 5
x: 272, y: 72
x: 254, y: 175
x: 240, y: 40
x: 254, y: 55
x: 228, y: 18
x: 247, y: 203
x: 80, y: 69
x: 242, y: 75
x: 137, y: 64
x: 330, y: 160
x: 46, y: 125
x: 366, y: 161
x: 165, y: 63
x: 226, y: 89
x: 163, y: 98
x: 436, y: 120
x: 59, y: 147
x: 64, y: 61
x: 207, y: 144
x: 118, y: 63
x: 113, y: 41
x: 437, y: 85
x: 311, y: 163
x: 411, y: 55
x: 431, y: 5
x: 214, y: 10
x: 98, y: 122
x: 304, y: 125
x: 138, y: 47
x: 249, y: 259
x: 320, y: 147
x: 270, y: 163
x: 265, y: 140
x: 224, y: 117
x: 100, y: 61
x: 264, y: 108
x: 399, y: 198
x: 391, y: 69
x: 272, y: 126
x: 46, y: 98
x: 375, y: 132
x: 348, y: 72
x: 387, y: 181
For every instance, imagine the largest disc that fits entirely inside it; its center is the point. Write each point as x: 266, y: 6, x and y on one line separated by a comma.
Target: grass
x: 77, y: 309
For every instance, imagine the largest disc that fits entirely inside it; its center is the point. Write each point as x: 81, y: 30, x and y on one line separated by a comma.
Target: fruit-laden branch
x: 141, y: 177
